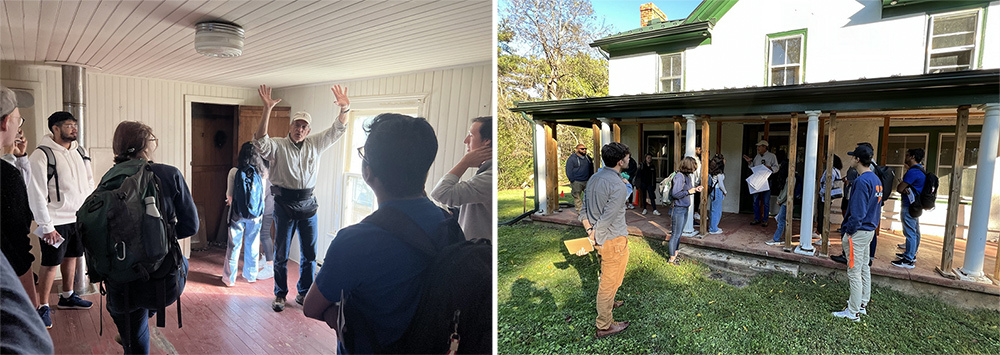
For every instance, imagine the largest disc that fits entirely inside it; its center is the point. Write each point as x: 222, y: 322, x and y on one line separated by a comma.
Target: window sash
x: 782, y: 44
x: 968, y: 61
x: 671, y: 76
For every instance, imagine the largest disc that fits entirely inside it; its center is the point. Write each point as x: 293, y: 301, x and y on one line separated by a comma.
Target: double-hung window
x: 951, y: 41
x: 785, y: 58
x: 672, y: 72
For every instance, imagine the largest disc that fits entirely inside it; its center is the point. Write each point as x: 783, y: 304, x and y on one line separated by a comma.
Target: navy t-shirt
x: 379, y: 276
x: 915, y: 177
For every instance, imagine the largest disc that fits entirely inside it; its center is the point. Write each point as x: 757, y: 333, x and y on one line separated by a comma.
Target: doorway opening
x: 213, y: 153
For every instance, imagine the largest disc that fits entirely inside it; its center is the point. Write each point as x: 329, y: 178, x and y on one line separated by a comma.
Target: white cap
x: 763, y: 143
x: 301, y: 115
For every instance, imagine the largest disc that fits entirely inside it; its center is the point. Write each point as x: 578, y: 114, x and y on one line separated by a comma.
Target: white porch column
x: 690, y: 136
x: 605, y: 136
x: 975, y: 248
x: 809, y: 184
x: 540, y: 168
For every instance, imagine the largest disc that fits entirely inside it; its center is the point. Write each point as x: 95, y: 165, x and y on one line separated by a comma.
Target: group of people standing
x: 273, y: 181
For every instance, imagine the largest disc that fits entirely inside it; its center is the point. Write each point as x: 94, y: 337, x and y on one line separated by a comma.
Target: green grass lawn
x: 546, y: 304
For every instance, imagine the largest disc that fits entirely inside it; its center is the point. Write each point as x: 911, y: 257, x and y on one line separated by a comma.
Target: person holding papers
x: 762, y: 198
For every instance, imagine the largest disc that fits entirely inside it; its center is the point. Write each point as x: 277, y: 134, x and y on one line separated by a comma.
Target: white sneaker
x: 266, y: 272
x: 655, y: 212
x: 716, y: 232
x: 864, y: 310
x: 697, y: 216
x: 631, y: 206
x: 848, y: 315
x: 774, y: 243
x: 643, y: 212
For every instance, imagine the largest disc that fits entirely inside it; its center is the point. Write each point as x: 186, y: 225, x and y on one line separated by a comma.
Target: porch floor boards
x: 739, y: 236
x: 217, y: 319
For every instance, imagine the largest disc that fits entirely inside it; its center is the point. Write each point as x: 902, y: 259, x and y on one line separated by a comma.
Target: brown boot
x: 617, y: 304
x: 616, y: 327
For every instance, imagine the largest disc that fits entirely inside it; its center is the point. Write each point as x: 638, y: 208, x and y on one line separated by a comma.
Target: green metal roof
x: 941, y: 90
x: 695, y: 26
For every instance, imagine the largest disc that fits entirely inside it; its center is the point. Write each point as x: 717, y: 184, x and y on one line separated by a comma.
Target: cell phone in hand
x: 59, y: 240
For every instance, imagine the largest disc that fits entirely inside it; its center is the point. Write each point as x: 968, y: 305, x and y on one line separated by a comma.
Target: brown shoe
x: 616, y: 327
x: 617, y: 304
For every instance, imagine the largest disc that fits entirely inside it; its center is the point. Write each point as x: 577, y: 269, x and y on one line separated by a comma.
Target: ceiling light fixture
x: 218, y: 39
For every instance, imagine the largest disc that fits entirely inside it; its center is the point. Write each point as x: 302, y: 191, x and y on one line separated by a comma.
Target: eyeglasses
x: 361, y: 153
x: 70, y: 126
x: 582, y: 148
x: 22, y: 121
x: 154, y: 140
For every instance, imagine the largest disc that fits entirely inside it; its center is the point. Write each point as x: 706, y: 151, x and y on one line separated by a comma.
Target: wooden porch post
x: 551, y: 168
x: 704, y: 176
x: 767, y: 129
x: 616, y: 131
x: 596, y: 148
x: 884, y: 149
x: 793, y: 141
x: 677, y: 143
x: 638, y: 149
x: 954, y: 195
x: 831, y: 140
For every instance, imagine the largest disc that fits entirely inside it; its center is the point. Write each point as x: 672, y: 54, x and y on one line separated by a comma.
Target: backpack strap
x: 402, y: 227
x: 51, y: 170
x: 83, y: 153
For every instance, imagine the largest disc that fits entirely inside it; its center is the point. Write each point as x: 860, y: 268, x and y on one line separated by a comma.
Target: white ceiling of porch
x: 287, y: 43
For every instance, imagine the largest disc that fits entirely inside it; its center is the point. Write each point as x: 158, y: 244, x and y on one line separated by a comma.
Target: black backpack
x: 455, y: 311
x: 50, y: 166
x: 928, y: 196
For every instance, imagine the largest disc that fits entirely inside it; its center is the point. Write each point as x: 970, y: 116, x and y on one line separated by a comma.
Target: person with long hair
x: 681, y: 189
x: 244, y: 228
x: 135, y: 140
x: 717, y: 192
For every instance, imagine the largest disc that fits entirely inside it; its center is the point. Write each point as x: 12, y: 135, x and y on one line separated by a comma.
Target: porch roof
x: 925, y: 91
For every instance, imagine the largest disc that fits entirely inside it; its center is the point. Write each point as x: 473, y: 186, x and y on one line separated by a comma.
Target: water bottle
x: 151, y: 207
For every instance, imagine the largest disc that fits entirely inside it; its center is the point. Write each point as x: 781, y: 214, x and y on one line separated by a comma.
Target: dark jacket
x: 579, y: 168
x: 177, y: 200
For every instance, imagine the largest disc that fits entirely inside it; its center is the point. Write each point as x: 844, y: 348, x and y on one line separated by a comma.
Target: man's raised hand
x: 265, y: 96
x: 340, y: 94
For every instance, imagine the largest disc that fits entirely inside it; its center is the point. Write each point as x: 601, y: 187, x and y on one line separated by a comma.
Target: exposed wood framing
x: 677, y: 143
x: 596, y: 148
x: 551, y: 167
x: 767, y: 127
x: 884, y: 149
x: 718, y: 136
x: 830, y: 141
x: 704, y: 176
x: 954, y: 194
x: 793, y: 141
x: 616, y: 132
x: 639, y: 148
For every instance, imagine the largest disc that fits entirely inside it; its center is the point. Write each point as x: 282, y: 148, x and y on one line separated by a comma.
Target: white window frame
x: 661, y: 77
x: 975, y: 40
x: 927, y: 139
x: 800, y: 64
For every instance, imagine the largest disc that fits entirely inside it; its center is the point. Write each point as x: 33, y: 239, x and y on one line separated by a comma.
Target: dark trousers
x: 285, y: 228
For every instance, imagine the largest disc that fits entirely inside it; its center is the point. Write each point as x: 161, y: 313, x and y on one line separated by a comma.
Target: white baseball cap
x: 301, y: 115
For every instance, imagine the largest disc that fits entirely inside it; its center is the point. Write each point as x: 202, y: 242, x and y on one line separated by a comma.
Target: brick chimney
x: 648, y: 12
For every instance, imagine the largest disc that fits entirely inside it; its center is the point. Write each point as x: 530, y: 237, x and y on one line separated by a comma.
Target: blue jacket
x: 579, y: 168
x: 865, y: 207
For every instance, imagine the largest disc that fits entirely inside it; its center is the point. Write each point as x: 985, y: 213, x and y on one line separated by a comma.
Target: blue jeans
x: 911, y: 229
x: 781, y: 223
x: 244, y: 230
x: 284, y: 230
x: 759, y: 199
x: 678, y: 216
x: 137, y: 322
x: 715, y: 210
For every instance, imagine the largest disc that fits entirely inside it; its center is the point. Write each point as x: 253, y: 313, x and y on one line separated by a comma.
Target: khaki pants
x: 578, y: 187
x: 614, y: 258
x: 859, y: 274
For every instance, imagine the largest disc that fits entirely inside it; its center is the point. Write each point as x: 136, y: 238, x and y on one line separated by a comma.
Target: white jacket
x: 76, y: 182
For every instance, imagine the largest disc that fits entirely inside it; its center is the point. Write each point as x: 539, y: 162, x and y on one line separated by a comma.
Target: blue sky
x: 623, y: 15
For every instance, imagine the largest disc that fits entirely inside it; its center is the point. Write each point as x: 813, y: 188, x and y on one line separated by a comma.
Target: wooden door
x: 212, y: 146
x: 250, y: 118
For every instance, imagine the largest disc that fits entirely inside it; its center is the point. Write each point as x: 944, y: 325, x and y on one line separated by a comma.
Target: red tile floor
x: 217, y: 320
x: 739, y: 236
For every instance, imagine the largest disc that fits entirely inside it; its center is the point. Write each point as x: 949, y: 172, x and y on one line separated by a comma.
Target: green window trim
x: 982, y: 38
x: 767, y: 53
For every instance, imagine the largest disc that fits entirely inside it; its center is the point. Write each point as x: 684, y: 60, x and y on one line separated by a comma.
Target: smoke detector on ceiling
x: 218, y: 39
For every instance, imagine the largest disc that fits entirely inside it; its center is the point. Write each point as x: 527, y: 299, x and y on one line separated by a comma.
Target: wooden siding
x: 453, y: 98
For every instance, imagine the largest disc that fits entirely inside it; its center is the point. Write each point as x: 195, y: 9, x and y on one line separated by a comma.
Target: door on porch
x: 778, y: 141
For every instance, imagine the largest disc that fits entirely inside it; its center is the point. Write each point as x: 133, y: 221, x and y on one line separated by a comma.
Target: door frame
x: 188, y: 100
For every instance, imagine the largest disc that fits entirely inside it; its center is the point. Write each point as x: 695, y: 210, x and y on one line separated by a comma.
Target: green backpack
x: 125, y: 236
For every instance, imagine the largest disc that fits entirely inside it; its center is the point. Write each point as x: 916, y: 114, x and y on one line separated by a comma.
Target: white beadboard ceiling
x: 287, y: 43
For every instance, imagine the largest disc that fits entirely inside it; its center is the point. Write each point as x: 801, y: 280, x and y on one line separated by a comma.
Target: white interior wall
x: 453, y: 97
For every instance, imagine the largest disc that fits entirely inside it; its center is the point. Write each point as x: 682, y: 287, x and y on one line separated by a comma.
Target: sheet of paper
x: 758, y: 180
